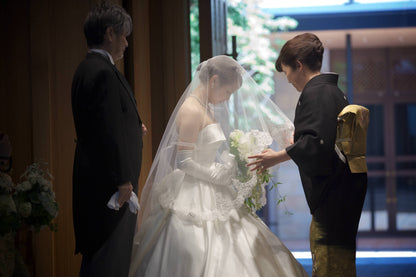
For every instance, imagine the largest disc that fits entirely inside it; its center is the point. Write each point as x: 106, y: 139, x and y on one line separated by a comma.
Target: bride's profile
x: 194, y: 220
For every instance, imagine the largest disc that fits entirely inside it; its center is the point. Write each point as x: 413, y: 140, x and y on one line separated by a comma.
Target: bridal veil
x: 221, y: 95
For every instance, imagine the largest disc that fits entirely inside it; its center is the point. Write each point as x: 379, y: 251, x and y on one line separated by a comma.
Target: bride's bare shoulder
x: 191, y: 109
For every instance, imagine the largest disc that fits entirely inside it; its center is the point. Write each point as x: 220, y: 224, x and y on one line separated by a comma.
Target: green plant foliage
x: 194, y: 30
x: 253, y: 28
x: 35, y: 199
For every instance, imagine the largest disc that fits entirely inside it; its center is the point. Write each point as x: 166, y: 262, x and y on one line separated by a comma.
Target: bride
x: 193, y: 220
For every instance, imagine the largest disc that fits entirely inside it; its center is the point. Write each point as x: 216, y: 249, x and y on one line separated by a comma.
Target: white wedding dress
x: 188, y: 236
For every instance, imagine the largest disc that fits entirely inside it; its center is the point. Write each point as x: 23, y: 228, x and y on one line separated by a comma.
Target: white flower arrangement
x: 243, y: 145
x: 35, y: 199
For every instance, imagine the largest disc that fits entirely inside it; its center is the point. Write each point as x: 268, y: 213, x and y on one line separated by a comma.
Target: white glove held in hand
x: 133, y: 202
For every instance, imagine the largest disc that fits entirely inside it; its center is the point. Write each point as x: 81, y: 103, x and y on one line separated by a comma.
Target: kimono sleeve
x: 315, y: 133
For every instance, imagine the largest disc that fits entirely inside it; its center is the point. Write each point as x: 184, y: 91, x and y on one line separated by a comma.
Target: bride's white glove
x: 218, y: 174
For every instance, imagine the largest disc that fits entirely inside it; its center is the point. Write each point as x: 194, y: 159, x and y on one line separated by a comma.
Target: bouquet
x: 32, y: 203
x: 35, y: 199
x: 243, y: 145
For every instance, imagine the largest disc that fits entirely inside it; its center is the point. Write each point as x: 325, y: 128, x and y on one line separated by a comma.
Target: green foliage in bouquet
x: 243, y: 145
x: 35, y: 199
x: 253, y: 202
x: 243, y: 175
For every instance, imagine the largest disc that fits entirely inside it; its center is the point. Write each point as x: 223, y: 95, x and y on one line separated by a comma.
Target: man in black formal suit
x: 109, y: 147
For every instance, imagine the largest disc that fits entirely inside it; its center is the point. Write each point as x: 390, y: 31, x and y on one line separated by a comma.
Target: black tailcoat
x: 335, y: 195
x: 108, y: 151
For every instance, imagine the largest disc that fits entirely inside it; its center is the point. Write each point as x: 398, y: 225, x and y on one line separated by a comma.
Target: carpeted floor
x: 377, y: 267
x: 371, y: 256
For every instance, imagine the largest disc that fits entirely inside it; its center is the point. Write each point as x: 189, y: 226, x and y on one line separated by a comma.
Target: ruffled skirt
x: 240, y: 246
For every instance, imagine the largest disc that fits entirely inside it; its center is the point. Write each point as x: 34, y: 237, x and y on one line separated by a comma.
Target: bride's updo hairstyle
x: 306, y: 48
x: 226, y: 68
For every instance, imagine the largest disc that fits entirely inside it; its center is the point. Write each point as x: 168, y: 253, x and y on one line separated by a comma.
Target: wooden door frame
x: 388, y: 101
x: 212, y: 28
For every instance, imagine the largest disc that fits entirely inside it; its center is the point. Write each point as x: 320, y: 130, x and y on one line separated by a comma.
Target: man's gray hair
x: 101, y: 17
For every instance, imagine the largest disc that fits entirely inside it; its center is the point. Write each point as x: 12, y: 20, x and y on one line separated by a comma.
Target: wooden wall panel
x: 157, y: 65
x: 43, y: 49
x: 68, y: 48
x: 15, y: 97
x: 40, y: 61
x: 137, y: 71
x: 170, y: 60
x: 54, y: 59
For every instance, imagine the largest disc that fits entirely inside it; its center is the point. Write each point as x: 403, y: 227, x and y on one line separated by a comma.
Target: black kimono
x: 335, y: 195
x: 108, y: 154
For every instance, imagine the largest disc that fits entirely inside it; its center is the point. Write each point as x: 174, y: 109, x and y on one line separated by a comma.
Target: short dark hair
x: 306, y: 48
x: 101, y: 17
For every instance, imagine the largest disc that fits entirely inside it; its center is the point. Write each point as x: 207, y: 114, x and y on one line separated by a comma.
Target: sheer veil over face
x: 221, y: 98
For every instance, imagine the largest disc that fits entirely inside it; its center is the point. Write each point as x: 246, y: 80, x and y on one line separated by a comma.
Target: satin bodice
x: 209, y: 140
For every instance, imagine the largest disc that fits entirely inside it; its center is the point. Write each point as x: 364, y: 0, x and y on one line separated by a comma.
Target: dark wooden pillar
x: 158, y: 65
x: 170, y: 67
x: 212, y: 28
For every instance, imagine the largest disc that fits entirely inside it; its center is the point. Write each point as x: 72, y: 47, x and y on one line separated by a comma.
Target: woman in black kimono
x: 335, y: 195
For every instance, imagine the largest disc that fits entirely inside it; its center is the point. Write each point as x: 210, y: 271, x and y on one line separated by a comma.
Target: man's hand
x: 124, y: 193
x: 144, y: 129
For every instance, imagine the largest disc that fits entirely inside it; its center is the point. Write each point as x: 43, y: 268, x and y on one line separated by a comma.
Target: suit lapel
x: 127, y: 88
x: 121, y: 78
